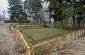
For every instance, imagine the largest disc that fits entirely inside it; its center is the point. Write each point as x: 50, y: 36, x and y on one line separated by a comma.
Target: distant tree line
x: 60, y: 10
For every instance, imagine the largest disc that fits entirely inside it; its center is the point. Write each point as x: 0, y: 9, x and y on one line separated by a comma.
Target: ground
x: 8, y: 46
x: 35, y: 34
x: 76, y: 48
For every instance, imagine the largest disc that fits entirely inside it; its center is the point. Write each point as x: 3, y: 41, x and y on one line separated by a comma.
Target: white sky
x: 3, y: 6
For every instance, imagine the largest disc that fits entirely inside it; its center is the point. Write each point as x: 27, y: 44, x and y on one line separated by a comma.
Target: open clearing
x: 9, y: 46
x: 35, y: 34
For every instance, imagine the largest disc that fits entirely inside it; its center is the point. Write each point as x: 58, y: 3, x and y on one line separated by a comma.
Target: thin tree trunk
x: 62, y: 22
x: 44, y: 24
x: 54, y: 23
x: 73, y: 21
x: 79, y: 24
x: 50, y: 21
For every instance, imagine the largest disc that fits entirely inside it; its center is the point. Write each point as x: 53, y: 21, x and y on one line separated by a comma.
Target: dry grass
x: 35, y: 34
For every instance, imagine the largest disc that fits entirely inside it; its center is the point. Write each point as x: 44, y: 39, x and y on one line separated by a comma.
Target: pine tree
x: 60, y: 9
x: 16, y: 10
x: 54, y: 9
x: 33, y: 7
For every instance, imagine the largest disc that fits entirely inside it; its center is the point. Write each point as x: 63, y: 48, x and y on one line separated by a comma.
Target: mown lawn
x: 35, y: 34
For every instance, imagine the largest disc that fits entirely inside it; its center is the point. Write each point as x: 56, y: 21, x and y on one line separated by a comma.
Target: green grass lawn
x: 35, y: 34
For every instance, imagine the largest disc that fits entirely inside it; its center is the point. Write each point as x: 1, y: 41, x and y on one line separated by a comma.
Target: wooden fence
x: 23, y: 44
x: 56, y: 44
x: 48, y: 46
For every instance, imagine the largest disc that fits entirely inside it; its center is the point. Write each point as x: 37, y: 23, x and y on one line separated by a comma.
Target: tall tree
x: 54, y: 9
x: 77, y: 10
x: 60, y: 9
x: 33, y: 7
x: 16, y: 10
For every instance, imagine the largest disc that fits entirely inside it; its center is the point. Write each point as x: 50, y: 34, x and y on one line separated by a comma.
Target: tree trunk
x: 41, y: 21
x: 50, y: 21
x: 73, y: 21
x: 54, y: 23
x: 44, y: 24
x: 79, y: 23
x: 62, y: 22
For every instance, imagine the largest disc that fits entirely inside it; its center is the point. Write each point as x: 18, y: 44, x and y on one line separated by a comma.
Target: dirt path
x: 8, y: 46
x: 76, y: 48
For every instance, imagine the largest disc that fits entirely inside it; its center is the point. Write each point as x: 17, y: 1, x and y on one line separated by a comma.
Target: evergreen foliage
x: 33, y: 7
x: 16, y: 10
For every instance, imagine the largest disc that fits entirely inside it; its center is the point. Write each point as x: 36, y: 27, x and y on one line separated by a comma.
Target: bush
x: 10, y: 21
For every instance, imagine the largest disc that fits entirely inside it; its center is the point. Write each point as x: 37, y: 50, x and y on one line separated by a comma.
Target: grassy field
x: 35, y: 34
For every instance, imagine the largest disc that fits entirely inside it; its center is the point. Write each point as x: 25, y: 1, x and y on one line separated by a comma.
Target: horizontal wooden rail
x: 19, y: 37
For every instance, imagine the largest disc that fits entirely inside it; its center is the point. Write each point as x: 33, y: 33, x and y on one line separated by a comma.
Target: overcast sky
x: 3, y: 6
